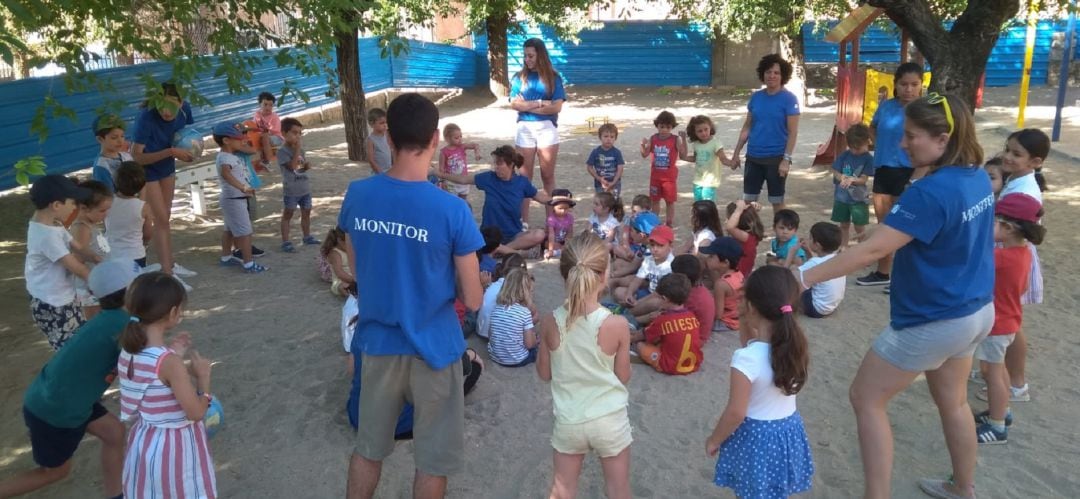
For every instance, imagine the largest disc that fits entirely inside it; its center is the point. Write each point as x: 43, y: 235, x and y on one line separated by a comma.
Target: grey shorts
x: 237, y: 217
x: 439, y: 404
x: 992, y: 349
x: 927, y: 346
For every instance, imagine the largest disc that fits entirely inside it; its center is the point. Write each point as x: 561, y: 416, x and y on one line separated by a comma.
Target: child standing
x: 604, y: 219
x: 822, y: 298
x: 1017, y: 224
x: 707, y: 153
x: 53, y: 257
x: 699, y: 301
x: 745, y: 226
x: 334, y: 263
x: 705, y: 222
x: 297, y: 185
x: 271, y: 133
x: 672, y: 342
x: 851, y: 172
x: 236, y: 192
x: 721, y: 259
x: 584, y: 353
x: 378, y: 149
x: 129, y: 224
x: 760, y: 436
x: 452, y: 159
x: 665, y: 149
x: 786, y: 250
x: 167, y: 446
x: 605, y: 163
x: 86, y: 231
x: 560, y: 223
x: 513, y: 338
x: 109, y: 132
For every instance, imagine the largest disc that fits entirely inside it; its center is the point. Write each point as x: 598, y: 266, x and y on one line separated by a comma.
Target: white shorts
x: 532, y: 134
x: 607, y: 435
x: 992, y: 349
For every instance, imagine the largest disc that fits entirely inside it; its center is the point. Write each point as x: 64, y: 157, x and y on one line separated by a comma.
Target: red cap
x: 662, y: 234
x: 1019, y: 207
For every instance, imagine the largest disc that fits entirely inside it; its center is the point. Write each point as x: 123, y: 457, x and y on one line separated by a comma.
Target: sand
x: 280, y: 370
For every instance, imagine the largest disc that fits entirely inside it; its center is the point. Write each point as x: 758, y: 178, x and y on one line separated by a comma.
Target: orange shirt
x: 730, y: 315
x: 680, y: 344
x: 1012, y: 268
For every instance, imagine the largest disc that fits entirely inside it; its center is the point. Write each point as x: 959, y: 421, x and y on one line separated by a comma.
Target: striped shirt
x: 508, y: 326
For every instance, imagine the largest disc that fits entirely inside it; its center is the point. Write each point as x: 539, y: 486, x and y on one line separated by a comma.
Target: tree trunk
x: 497, y: 25
x: 351, y: 93
x: 719, y: 58
x: 791, y: 49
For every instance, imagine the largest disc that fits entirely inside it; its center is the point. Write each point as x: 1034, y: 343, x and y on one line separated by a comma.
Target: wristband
x: 209, y: 398
x: 787, y: 157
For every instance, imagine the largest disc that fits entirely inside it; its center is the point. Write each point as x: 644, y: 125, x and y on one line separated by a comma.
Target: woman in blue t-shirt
x: 941, y: 304
x: 153, y: 148
x: 769, y: 132
x: 537, y: 94
x: 892, y: 167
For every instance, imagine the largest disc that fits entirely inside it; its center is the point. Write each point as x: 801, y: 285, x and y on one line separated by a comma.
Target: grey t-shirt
x: 296, y: 184
x: 382, y: 151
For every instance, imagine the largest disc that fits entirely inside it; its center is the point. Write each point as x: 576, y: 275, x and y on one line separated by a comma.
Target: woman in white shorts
x: 537, y: 95
x: 941, y: 304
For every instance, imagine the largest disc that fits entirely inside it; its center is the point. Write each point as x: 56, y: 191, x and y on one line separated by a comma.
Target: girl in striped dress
x: 513, y: 339
x: 167, y: 451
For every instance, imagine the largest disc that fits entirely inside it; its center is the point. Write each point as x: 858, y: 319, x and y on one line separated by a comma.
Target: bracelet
x: 209, y: 398
x: 787, y: 157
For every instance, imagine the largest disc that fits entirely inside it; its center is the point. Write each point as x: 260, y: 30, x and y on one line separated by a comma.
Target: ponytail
x: 509, y: 156
x: 583, y: 264
x: 133, y: 337
x: 150, y: 298
x: 774, y: 294
x: 618, y: 211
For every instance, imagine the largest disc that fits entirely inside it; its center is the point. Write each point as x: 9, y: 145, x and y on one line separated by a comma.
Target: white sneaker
x: 153, y: 267
x: 1022, y: 394
x: 180, y: 270
x: 187, y: 287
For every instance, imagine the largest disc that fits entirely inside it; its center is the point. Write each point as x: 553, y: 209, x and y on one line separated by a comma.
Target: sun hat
x: 562, y: 196
x: 111, y: 276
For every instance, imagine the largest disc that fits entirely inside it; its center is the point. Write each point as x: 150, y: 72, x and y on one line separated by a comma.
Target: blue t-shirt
x: 889, y: 123
x: 156, y: 134
x: 947, y: 270
x: 852, y: 165
x: 405, y: 236
x: 768, y: 122
x: 488, y: 263
x: 605, y: 162
x: 782, y: 250
x: 502, y: 202
x: 534, y: 89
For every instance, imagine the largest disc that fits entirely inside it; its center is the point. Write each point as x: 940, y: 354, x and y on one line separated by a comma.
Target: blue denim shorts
x: 292, y: 202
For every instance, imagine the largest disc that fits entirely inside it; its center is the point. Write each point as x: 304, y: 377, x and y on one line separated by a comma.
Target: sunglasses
x: 936, y: 98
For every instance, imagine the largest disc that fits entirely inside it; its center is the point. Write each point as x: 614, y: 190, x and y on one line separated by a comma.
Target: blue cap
x: 230, y: 129
x: 724, y: 247
x: 645, y: 222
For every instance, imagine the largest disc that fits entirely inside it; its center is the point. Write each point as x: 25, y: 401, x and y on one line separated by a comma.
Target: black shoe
x: 874, y: 278
x: 255, y: 252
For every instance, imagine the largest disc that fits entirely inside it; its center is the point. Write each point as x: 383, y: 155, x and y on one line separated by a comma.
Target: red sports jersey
x: 665, y: 155
x: 680, y: 344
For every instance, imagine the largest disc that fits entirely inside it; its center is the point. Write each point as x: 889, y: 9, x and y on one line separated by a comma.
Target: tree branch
x: 916, y: 17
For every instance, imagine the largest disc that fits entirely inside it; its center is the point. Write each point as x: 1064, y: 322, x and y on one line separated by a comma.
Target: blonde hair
x: 583, y: 264
x: 516, y: 289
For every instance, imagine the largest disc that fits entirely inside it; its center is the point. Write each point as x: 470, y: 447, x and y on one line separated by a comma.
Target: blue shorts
x: 157, y: 172
x: 52, y: 446
x: 641, y: 293
x: 304, y: 202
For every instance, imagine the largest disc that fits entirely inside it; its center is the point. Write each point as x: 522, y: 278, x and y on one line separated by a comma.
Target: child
x: 721, y: 258
x: 604, y: 219
x: 635, y: 247
x: 508, y: 264
x: 705, y: 222
x: 272, y: 132
x: 377, y: 148
x: 851, y: 172
x: 296, y: 186
x: 62, y: 404
x: 1017, y: 224
x: 672, y: 342
x: 822, y: 298
x: 53, y: 256
x: 109, y: 132
x: 644, y: 303
x: 785, y: 246
x: 1025, y: 152
x: 86, y: 231
x: 334, y: 263
x: 745, y: 226
x: 628, y: 248
x: 584, y: 353
x: 560, y: 223
x: 452, y: 159
x: 707, y: 154
x: 665, y: 149
x: 760, y: 436
x: 167, y: 448
x: 699, y: 301
x: 492, y: 239
x: 997, y: 174
x: 605, y: 163
x: 235, y: 196
x: 129, y: 223
x: 513, y: 339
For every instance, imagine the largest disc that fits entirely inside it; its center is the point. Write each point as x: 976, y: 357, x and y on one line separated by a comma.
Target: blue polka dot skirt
x: 766, y: 459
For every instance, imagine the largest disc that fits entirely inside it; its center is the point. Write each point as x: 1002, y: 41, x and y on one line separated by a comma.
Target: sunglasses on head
x: 935, y: 99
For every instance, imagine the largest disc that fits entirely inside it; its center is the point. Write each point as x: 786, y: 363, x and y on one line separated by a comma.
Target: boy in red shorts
x: 666, y: 149
x: 672, y: 343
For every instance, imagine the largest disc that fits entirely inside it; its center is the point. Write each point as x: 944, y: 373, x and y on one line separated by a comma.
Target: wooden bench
x: 193, y: 177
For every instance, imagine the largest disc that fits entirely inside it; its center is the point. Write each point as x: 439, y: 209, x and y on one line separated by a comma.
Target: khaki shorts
x: 607, y: 435
x: 992, y: 349
x: 439, y: 418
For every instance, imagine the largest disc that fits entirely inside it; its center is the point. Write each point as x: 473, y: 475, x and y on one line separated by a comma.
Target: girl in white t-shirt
x: 513, y: 339
x: 86, y: 231
x: 604, y: 221
x: 762, y: 443
x: 705, y: 222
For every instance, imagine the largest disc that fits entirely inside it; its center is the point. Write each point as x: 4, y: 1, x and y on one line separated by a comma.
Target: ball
x: 190, y: 140
x: 214, y: 418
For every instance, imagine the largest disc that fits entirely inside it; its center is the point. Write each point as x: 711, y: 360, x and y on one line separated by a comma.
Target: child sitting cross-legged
x: 786, y: 250
x: 513, y: 338
x: 721, y: 258
x: 822, y: 298
x: 644, y: 303
x: 672, y: 343
x: 700, y: 300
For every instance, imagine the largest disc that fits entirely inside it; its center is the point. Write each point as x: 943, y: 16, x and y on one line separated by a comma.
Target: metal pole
x: 1063, y: 78
x: 1029, y: 50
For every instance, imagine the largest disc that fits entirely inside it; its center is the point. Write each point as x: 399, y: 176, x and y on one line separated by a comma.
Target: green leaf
x: 22, y: 178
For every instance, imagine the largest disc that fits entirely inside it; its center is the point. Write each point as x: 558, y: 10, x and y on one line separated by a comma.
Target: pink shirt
x: 271, y: 123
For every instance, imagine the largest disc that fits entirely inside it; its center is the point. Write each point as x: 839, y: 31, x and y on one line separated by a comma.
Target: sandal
x: 937, y: 488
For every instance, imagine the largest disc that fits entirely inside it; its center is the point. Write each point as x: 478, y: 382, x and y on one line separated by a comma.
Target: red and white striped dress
x: 167, y: 455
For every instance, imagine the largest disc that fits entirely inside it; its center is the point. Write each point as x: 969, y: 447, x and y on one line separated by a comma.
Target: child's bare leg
x: 617, y: 475
x: 845, y: 234
x: 997, y: 389
x: 669, y: 210
x: 860, y: 233
x: 646, y: 306
x: 286, y: 221
x: 567, y: 471
x: 244, y: 243
x: 305, y: 221
x: 1016, y: 360
x: 267, y: 151
x: 619, y: 293
x: 226, y: 243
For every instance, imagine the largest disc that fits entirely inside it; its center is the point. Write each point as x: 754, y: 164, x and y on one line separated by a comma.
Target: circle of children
x: 634, y: 293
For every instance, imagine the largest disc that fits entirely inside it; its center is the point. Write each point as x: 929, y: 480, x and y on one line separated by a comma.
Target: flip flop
x: 936, y: 488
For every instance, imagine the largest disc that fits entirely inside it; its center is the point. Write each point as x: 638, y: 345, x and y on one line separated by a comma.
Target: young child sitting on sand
x: 513, y: 338
x: 672, y: 342
x: 644, y: 303
x: 334, y: 263
x: 491, y: 294
x: 721, y: 259
x: 700, y: 300
x: 744, y: 224
x: 823, y: 298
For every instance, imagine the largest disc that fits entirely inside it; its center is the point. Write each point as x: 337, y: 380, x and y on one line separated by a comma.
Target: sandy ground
x: 281, y: 371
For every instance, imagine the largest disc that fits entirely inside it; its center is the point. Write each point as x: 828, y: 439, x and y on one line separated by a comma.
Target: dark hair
x: 112, y: 300
x: 674, y: 287
x: 609, y: 201
x: 768, y: 62
x: 219, y: 140
x: 665, y: 118
x: 749, y: 221
x: 1031, y: 231
x: 642, y: 201
x: 412, y: 120
x: 701, y: 119
x: 130, y: 178
x: 769, y: 289
x: 509, y: 156
x: 150, y: 298
x: 858, y: 135
x: 509, y: 262
x: 704, y: 215
x: 98, y: 193
x: 374, y: 114
x: 609, y: 128
x: 288, y: 124
x: 543, y: 66
x: 331, y: 240
x: 492, y: 239
x: 827, y: 235
x: 689, y: 266
x: 267, y: 96
x: 963, y: 148
x: 1037, y: 145
x: 907, y: 68
x: 448, y: 129
x: 786, y: 218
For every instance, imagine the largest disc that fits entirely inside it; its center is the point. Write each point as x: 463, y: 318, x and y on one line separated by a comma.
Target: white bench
x: 193, y: 177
